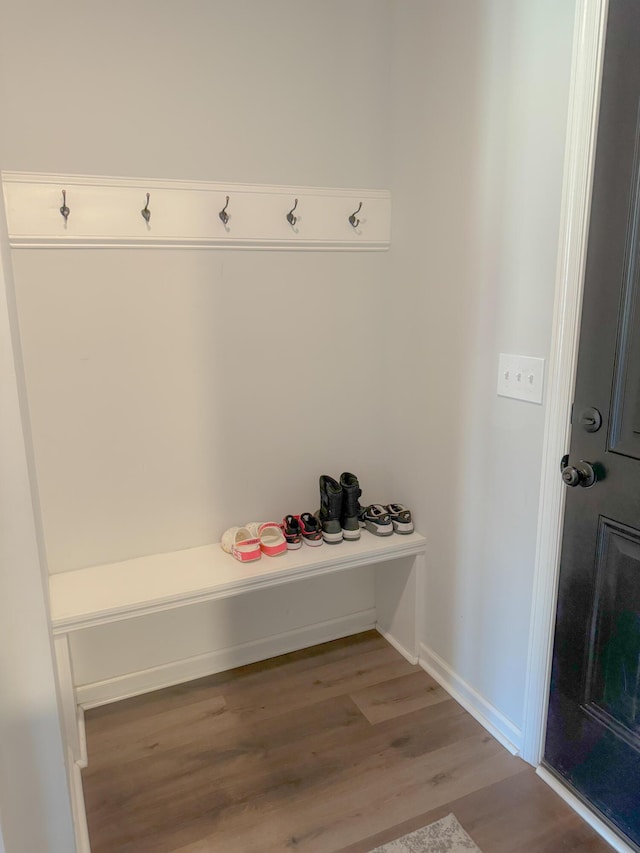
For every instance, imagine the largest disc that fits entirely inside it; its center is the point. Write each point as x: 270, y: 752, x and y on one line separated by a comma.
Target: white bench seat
x: 109, y: 593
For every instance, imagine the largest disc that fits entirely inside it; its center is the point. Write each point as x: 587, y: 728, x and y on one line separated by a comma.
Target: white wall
x: 284, y: 92
x: 154, y: 422
x: 176, y: 393
x: 480, y: 93
x: 34, y: 798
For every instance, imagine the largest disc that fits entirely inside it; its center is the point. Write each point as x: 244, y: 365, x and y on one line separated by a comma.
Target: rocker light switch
x: 521, y: 377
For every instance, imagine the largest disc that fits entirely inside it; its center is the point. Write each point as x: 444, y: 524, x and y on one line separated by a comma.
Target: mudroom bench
x: 100, y: 595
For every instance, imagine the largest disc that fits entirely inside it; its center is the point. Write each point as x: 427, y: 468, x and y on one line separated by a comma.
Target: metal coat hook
x: 64, y: 210
x: 291, y: 219
x: 146, y: 213
x: 224, y: 216
x: 352, y: 219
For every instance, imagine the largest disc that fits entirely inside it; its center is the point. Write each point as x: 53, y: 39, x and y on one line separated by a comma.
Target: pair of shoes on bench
x: 253, y: 540
x: 385, y: 520
x: 301, y: 528
x: 339, y: 507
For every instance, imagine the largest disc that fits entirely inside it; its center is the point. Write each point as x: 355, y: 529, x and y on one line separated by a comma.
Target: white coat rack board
x: 73, y: 211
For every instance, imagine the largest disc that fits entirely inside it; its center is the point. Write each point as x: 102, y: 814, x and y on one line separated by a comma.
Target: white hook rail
x: 105, y: 212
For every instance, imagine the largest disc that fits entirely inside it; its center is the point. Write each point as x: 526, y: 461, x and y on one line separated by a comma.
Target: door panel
x: 593, y: 726
x: 612, y: 688
x: 625, y: 408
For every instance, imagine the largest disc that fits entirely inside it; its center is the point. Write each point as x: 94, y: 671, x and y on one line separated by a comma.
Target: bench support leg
x: 74, y: 735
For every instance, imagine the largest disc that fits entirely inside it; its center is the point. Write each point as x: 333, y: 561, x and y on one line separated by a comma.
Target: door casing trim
x: 565, y: 793
x: 584, y: 102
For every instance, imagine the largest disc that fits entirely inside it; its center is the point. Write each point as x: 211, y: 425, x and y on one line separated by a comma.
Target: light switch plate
x: 521, y: 377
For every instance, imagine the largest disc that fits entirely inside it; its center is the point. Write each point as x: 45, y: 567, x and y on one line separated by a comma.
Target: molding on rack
x: 105, y: 212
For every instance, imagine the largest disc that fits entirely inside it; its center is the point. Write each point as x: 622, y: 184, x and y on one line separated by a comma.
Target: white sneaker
x: 400, y: 518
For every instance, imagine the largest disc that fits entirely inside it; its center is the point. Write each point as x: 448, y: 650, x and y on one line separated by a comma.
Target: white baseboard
x: 77, y: 806
x: 585, y: 813
x: 177, y: 672
x: 397, y: 646
x: 502, y: 729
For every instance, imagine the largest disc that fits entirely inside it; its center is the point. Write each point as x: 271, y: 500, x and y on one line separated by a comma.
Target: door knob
x: 581, y: 474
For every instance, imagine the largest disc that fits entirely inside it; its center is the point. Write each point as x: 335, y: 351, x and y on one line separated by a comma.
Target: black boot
x: 330, y: 509
x: 351, y: 491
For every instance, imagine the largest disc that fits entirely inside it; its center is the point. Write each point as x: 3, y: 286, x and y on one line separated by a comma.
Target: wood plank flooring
x: 333, y: 749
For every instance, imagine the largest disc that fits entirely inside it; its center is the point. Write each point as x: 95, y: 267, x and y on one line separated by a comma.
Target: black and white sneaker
x: 376, y: 520
x: 292, y: 532
x: 400, y: 518
x: 310, y: 529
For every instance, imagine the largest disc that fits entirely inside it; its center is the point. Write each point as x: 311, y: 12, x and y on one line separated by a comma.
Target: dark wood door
x: 593, y: 730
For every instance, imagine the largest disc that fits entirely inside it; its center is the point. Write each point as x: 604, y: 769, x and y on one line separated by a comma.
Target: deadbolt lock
x: 590, y: 419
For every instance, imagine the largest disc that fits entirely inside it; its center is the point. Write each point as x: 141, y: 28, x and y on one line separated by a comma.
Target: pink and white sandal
x: 270, y: 536
x: 241, y: 543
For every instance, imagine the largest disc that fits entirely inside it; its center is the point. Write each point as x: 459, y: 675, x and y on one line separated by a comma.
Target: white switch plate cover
x: 521, y: 377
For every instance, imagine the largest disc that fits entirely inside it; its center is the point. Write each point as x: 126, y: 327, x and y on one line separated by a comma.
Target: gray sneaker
x: 400, y: 518
x: 376, y: 520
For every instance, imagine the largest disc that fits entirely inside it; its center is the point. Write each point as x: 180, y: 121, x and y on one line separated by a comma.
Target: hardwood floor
x: 333, y: 749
